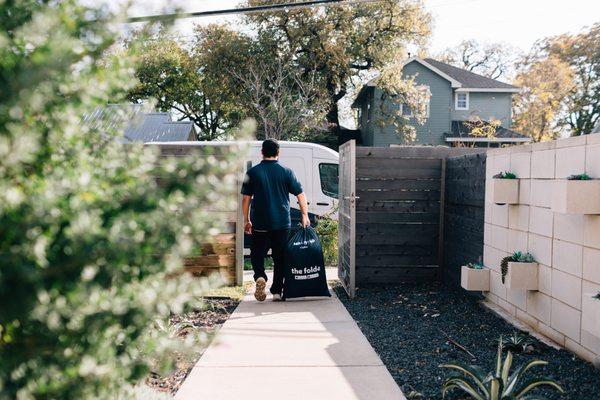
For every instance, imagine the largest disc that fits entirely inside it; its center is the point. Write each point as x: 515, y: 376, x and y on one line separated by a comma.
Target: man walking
x: 268, y: 186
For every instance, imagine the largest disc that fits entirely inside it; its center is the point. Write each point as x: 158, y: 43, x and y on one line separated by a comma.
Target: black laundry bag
x: 304, y: 266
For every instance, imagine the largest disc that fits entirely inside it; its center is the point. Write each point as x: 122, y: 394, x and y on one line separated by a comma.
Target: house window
x: 461, y: 101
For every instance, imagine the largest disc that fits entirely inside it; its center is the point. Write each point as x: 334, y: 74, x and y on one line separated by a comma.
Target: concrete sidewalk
x: 293, y: 350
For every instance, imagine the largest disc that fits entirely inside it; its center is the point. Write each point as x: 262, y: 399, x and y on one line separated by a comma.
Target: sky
x: 518, y: 23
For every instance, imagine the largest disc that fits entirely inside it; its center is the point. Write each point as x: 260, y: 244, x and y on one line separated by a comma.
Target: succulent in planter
x: 517, y: 256
x: 579, y: 177
x: 517, y: 342
x: 596, y: 296
x: 476, y: 265
x: 505, y: 175
x: 499, y: 384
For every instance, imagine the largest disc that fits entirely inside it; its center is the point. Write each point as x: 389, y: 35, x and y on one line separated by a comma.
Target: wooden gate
x: 347, y: 217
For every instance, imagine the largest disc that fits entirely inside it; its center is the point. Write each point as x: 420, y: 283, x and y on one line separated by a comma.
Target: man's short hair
x: 270, y: 148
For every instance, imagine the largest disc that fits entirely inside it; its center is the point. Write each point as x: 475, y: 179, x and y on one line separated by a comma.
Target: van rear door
x: 325, y: 186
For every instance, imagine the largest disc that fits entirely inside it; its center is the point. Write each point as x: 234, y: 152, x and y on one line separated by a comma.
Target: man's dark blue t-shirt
x: 270, y: 184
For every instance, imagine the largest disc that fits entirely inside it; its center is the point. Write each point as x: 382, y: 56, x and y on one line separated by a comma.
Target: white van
x: 315, y: 166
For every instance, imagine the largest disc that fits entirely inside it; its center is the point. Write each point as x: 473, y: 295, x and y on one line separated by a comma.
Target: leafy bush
x: 327, y: 229
x: 88, y: 239
x: 505, y: 175
x: 499, y: 384
x: 517, y: 256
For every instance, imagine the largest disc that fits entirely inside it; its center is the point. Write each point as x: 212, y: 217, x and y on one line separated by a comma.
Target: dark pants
x: 261, y: 241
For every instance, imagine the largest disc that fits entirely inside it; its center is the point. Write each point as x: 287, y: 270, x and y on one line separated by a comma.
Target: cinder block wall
x: 567, y: 246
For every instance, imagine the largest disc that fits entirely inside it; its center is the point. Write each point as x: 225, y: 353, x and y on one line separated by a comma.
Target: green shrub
x: 327, y: 229
x: 87, y: 238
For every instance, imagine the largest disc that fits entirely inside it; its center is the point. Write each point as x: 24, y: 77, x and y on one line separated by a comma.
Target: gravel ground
x: 207, y: 320
x: 409, y: 326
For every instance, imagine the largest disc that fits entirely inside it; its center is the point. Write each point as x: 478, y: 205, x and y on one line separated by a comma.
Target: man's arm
x: 246, y: 211
x: 305, y: 221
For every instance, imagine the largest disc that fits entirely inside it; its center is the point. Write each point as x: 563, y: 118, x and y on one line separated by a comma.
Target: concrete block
x: 541, y: 221
x: 522, y: 276
x: 540, y: 306
x: 591, y: 265
x: 540, y: 146
x: 552, y: 334
x: 517, y: 240
x: 517, y: 297
x: 487, y: 233
x: 569, y: 161
x: 527, y: 319
x: 541, y: 192
x: 592, y: 159
x: 520, y: 164
x: 525, y: 191
x: 579, y: 350
x: 545, y: 279
x: 590, y: 341
x: 475, y: 279
x: 487, y: 210
x: 501, y: 162
x: 506, y: 306
x: 592, y: 140
x: 568, y: 257
x: 570, y: 142
x: 489, y: 166
x: 590, y: 308
x: 566, y: 288
x: 541, y: 248
x: 542, y: 164
x: 566, y: 320
x: 506, y: 191
x: 500, y: 215
x: 518, y: 217
x: 500, y: 237
x: 496, y: 286
x: 576, y: 197
x: 591, y: 231
x: 569, y: 227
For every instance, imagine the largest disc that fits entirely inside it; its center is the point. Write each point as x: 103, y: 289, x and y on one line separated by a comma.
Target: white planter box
x: 506, y: 191
x: 475, y: 279
x: 522, y: 276
x: 576, y: 197
x: 591, y: 312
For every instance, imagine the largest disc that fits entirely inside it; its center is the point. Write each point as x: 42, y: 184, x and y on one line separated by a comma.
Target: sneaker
x: 277, y: 297
x: 259, y: 292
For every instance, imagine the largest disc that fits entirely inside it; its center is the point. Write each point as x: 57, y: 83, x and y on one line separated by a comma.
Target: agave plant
x: 499, y: 384
x: 517, y: 342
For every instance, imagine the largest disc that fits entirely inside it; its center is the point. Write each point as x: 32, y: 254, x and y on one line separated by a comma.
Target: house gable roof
x: 469, y: 80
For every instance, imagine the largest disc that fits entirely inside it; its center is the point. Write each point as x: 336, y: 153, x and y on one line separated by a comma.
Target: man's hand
x: 305, y: 220
x: 248, y: 228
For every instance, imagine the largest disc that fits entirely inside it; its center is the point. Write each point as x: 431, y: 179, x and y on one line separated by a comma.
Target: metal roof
x: 140, y: 124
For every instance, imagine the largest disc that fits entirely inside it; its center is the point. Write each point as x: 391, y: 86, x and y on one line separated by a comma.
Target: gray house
x: 457, y: 95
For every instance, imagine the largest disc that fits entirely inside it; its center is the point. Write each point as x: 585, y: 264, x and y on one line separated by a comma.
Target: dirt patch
x: 206, y: 320
x: 415, y: 328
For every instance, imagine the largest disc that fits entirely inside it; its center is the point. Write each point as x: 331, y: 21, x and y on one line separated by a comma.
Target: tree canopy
x: 89, y: 241
x: 323, y: 51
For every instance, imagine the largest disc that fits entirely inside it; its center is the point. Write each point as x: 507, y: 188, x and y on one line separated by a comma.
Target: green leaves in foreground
x: 499, y: 384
